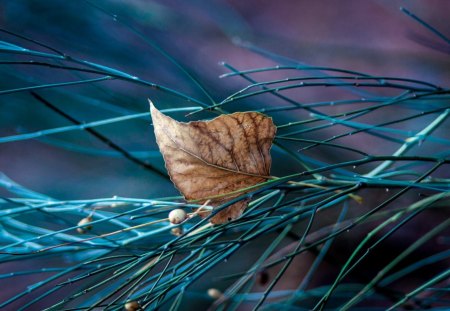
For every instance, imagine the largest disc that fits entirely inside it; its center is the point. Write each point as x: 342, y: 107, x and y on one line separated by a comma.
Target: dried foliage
x: 216, y: 160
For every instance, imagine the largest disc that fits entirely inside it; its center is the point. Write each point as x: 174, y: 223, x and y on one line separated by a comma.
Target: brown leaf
x: 210, y: 158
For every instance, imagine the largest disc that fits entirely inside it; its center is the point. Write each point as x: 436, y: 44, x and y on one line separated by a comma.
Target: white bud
x: 85, y: 223
x: 177, y: 231
x: 177, y: 216
x: 214, y: 293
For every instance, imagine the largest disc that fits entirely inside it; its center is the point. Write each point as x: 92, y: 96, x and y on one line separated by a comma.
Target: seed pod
x: 177, y: 231
x: 85, y: 223
x: 214, y: 293
x: 177, y: 216
x: 132, y: 306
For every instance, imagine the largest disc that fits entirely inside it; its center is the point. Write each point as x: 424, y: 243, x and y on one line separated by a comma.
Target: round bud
x: 177, y: 231
x: 177, y: 216
x: 85, y: 223
x: 132, y: 306
x: 214, y: 293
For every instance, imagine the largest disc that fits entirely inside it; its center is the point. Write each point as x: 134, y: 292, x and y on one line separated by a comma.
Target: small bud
x: 85, y: 223
x: 177, y: 231
x: 214, y: 293
x: 132, y: 306
x: 177, y: 216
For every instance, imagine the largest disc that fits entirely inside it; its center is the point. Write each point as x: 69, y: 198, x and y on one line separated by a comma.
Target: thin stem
x: 423, y: 287
x: 421, y: 136
x: 426, y: 25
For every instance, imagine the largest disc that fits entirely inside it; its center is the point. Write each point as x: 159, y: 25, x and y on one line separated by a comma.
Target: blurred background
x: 185, y: 46
x: 370, y: 36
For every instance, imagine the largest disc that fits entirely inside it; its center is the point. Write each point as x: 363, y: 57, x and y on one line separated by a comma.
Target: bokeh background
x: 370, y: 36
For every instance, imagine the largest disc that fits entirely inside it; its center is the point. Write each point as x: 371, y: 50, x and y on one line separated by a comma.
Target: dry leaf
x: 210, y: 158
